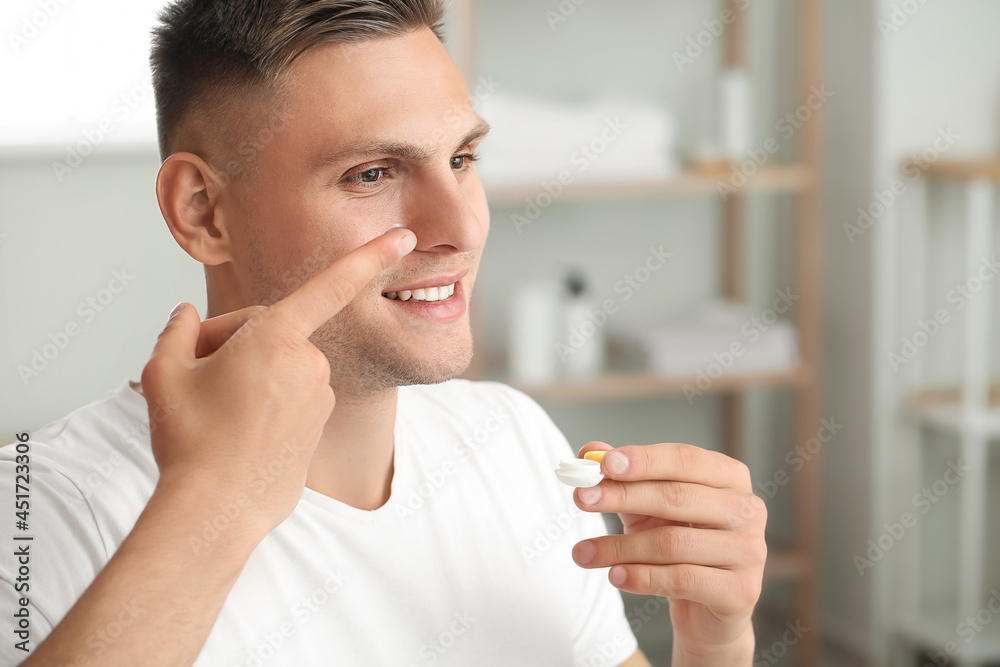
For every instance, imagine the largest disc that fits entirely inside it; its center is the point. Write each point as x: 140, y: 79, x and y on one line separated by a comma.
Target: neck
x: 353, y: 462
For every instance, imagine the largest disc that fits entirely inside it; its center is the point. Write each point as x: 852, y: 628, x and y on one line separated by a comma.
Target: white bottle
x: 581, y: 345
x: 737, y: 115
x: 533, y: 329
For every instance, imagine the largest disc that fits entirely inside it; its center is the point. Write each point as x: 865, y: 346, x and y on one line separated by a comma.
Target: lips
x: 431, y: 289
x: 444, y: 310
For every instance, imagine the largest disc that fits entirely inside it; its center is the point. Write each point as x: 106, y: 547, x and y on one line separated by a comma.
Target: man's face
x: 320, y: 193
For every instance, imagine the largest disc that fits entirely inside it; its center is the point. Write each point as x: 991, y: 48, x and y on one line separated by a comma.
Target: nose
x: 447, y: 214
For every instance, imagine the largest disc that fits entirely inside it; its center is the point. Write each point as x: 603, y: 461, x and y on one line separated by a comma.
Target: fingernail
x: 616, y: 463
x: 590, y: 495
x: 584, y: 552
x: 178, y: 309
x: 407, y: 242
x: 617, y: 575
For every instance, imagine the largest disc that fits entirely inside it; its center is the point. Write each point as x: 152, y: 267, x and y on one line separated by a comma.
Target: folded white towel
x: 534, y: 139
x: 703, y: 341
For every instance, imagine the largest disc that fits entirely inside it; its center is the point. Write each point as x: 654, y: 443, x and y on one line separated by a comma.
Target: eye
x: 465, y: 160
x: 368, y: 175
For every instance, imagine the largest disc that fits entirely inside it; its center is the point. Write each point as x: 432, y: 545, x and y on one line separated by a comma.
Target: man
x: 299, y: 480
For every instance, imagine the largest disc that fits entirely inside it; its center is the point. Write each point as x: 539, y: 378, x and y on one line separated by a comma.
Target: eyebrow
x: 397, y: 149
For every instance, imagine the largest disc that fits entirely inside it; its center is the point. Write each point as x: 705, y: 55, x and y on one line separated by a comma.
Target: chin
x: 433, y: 371
x: 371, y: 362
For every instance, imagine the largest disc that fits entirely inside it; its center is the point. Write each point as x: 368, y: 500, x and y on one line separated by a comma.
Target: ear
x: 189, y: 194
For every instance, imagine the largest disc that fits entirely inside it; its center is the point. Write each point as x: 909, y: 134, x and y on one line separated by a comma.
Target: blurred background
x: 765, y: 227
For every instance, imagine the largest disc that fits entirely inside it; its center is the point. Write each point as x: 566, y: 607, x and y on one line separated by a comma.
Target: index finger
x: 326, y: 293
x: 675, y: 461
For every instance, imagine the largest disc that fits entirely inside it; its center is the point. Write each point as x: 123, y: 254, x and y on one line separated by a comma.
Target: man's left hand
x: 694, y: 533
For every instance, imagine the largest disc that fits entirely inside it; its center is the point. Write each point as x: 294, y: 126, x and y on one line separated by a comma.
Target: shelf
x: 949, y: 418
x: 958, y: 170
x: 776, y: 178
x: 785, y: 563
x: 934, y: 631
x: 798, y: 179
x: 941, y: 409
x: 615, y: 386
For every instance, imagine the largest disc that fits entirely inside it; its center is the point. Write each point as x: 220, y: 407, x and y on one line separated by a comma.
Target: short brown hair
x: 212, y: 58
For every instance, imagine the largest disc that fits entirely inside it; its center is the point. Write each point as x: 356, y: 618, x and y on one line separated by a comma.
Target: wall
x: 64, y: 242
x: 899, y: 88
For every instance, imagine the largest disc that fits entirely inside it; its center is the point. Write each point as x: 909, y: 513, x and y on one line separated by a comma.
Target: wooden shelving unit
x: 618, y: 386
x: 780, y: 178
x: 796, y: 562
x: 970, y: 414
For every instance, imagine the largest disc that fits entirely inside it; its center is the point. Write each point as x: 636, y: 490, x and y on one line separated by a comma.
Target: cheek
x: 476, y: 198
x: 482, y: 212
x: 353, y: 221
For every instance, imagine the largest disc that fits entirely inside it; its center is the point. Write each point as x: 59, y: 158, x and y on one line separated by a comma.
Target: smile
x: 423, y: 294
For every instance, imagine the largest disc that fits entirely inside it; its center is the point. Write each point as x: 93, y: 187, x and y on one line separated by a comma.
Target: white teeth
x: 423, y: 294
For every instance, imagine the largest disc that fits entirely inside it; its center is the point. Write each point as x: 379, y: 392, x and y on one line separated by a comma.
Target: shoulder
x: 117, y: 422
x: 94, y: 463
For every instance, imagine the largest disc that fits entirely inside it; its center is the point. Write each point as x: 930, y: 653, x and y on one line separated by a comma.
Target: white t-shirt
x: 467, y: 563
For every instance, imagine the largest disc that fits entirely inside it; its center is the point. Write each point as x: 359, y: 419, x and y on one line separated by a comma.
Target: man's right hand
x: 241, y: 387
x: 249, y: 392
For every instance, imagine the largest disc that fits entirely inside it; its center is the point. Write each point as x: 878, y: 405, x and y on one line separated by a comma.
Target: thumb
x: 178, y: 339
x: 594, y: 446
x: 216, y: 331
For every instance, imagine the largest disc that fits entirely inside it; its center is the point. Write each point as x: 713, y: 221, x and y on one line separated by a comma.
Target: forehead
x: 403, y: 87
